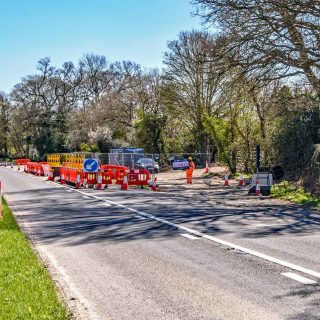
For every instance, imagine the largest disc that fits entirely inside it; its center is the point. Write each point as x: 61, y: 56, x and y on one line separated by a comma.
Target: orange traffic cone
x: 258, y: 191
x: 99, y: 181
x: 78, y: 181
x: 125, y: 185
x: 50, y: 175
x: 62, y: 179
x: 154, y: 184
x: 241, y: 180
x: 226, y: 180
x: 207, y: 167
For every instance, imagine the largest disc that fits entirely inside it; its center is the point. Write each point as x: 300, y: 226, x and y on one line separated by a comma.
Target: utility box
x: 265, y: 179
x: 265, y: 183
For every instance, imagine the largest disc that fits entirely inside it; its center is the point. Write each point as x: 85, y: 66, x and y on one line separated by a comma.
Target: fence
x: 129, y: 160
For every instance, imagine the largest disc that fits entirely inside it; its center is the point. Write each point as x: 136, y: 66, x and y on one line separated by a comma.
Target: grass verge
x: 288, y: 191
x: 26, y: 289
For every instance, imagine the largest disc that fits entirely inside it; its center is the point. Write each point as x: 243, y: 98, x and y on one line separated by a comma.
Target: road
x: 189, y: 253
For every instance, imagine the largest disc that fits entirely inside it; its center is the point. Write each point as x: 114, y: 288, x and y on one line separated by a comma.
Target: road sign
x: 180, y: 164
x: 90, y: 165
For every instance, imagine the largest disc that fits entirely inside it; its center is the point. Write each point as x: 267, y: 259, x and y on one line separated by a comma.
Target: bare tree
x: 195, y: 71
x: 270, y: 39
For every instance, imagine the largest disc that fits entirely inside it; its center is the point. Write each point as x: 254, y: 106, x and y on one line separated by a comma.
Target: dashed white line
x: 298, y: 278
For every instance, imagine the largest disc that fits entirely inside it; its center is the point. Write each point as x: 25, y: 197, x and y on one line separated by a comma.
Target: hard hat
x: 190, y: 158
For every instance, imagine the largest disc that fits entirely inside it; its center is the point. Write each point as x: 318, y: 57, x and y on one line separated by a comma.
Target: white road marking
x: 298, y: 278
x: 189, y: 236
x: 65, y: 281
x: 140, y: 217
x: 208, y: 237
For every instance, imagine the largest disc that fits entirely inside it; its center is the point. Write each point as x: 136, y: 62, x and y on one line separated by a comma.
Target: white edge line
x: 298, y: 278
x: 189, y: 236
x: 208, y: 237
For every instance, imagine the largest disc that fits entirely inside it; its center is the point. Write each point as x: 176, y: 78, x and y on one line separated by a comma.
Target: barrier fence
x: 131, y: 160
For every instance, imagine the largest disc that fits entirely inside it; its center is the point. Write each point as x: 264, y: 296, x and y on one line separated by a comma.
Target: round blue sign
x: 90, y: 165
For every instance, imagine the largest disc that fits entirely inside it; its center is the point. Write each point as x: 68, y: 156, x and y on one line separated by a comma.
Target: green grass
x: 26, y: 289
x: 288, y: 191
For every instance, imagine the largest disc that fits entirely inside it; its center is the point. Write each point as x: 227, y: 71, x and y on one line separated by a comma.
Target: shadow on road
x: 53, y: 214
x: 309, y: 296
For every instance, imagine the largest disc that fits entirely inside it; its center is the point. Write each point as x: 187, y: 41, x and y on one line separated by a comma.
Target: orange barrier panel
x: 107, y: 176
x: 113, y: 167
x: 37, y: 168
x: 46, y: 169
x: 138, y: 177
x: 22, y: 161
x: 115, y: 173
x: 91, y: 178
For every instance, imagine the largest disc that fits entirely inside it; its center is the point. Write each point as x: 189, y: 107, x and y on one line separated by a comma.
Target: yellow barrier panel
x: 71, y: 160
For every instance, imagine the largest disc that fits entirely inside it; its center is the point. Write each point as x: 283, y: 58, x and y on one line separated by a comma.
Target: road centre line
x: 298, y: 278
x: 208, y: 237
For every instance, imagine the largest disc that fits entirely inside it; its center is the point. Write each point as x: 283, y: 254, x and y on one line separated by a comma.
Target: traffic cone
x: 50, y: 176
x: 226, y: 180
x: 258, y: 191
x: 78, y: 181
x: 154, y: 184
x: 125, y: 185
x: 62, y: 179
x: 98, y: 186
x: 207, y: 167
x: 241, y: 180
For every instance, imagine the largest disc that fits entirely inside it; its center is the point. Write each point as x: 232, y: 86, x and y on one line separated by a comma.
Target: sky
x: 65, y: 30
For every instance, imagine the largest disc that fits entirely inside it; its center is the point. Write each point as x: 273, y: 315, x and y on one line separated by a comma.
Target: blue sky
x: 64, y: 30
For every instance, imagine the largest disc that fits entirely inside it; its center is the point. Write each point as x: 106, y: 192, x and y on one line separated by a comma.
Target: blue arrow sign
x: 90, y: 165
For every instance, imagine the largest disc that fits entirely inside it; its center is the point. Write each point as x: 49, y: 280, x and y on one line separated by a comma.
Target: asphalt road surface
x: 191, y: 253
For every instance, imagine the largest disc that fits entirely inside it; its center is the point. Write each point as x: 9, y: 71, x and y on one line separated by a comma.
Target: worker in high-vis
x: 189, y: 171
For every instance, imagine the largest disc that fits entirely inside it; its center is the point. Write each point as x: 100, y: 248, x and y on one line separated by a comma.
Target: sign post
x: 257, y: 157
